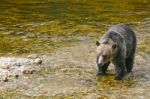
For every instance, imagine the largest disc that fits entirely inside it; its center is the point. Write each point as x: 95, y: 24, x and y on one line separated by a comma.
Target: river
x: 63, y: 34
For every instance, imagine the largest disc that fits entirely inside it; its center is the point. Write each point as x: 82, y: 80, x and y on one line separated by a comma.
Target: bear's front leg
x: 102, y: 69
x: 129, y: 63
x: 119, y: 69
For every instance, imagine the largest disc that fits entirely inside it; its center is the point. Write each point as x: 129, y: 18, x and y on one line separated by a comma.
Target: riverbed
x: 63, y: 34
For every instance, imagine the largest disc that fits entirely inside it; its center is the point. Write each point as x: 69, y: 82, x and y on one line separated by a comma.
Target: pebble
x: 19, y: 33
x: 32, y: 56
x: 4, y: 66
x: 37, y: 61
x: 141, y: 97
x: 147, y: 76
x: 4, y: 74
x: 12, y: 67
x: 27, y: 69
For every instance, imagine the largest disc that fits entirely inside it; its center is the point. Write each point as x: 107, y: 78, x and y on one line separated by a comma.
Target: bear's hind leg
x: 102, y: 70
x: 129, y: 64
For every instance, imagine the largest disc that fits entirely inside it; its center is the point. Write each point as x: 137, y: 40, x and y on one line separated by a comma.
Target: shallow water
x: 63, y: 33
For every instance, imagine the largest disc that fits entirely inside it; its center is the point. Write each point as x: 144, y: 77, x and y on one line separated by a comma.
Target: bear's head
x: 106, y: 50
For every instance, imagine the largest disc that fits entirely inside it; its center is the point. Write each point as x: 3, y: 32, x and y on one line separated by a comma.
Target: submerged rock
x: 19, y: 33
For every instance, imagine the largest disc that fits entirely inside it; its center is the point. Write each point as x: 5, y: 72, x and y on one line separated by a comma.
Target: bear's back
x: 127, y: 34
x: 122, y: 29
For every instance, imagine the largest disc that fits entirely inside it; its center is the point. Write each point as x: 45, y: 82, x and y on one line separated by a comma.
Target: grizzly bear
x: 117, y: 46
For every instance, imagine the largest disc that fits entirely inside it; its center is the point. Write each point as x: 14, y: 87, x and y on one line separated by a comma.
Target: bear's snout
x: 100, y: 60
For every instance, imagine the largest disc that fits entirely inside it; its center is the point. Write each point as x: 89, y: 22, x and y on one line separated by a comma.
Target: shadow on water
x: 64, y: 32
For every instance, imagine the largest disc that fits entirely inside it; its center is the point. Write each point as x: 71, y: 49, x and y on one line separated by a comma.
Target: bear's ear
x: 114, y: 46
x: 97, y: 43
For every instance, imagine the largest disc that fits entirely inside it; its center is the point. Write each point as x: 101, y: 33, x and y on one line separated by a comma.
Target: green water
x: 65, y: 32
x: 41, y: 26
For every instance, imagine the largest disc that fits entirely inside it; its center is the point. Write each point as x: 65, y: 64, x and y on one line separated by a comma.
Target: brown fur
x: 118, y: 47
x: 105, y: 50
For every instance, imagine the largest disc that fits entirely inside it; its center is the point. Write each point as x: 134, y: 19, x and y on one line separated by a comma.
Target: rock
x: 19, y: 33
x: 18, y: 64
x: 37, y: 61
x: 147, y: 76
x: 4, y: 66
x: 12, y: 67
x: 141, y: 97
x: 32, y: 56
x: 4, y: 75
x: 27, y: 69
x: 16, y: 76
x: 139, y: 60
x: 6, y: 79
